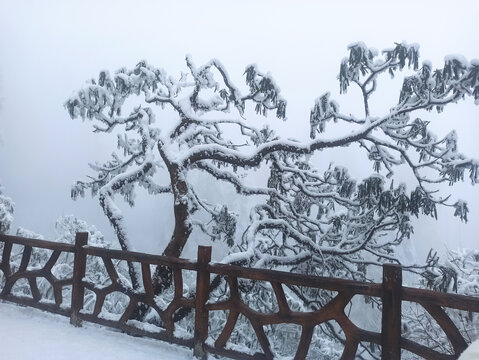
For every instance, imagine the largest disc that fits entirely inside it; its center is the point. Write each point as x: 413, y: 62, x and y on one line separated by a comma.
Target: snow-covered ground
x: 31, y: 334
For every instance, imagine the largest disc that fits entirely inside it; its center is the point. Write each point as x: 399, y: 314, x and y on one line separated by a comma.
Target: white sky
x: 49, y: 48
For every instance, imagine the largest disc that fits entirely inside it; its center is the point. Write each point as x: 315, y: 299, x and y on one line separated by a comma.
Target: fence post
x: 391, y: 316
x: 202, y: 295
x: 79, y: 268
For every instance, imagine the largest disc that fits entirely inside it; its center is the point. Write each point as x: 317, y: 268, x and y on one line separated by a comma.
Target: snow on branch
x: 305, y: 218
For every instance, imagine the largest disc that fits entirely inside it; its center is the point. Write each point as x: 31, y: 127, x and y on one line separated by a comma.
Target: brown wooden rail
x: 390, y: 292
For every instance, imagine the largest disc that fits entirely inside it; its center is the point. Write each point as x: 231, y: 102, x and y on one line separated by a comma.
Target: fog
x: 49, y: 49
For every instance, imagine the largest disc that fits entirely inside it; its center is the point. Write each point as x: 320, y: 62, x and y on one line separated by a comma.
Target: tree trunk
x: 183, y: 227
x: 163, y: 275
x: 162, y: 279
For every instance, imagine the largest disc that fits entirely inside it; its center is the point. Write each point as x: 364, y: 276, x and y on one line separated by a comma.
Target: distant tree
x: 320, y: 222
x: 66, y: 227
x: 6, y: 212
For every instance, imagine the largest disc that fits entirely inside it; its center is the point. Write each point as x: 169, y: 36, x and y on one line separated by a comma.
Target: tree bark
x: 183, y: 227
x: 162, y: 278
x: 163, y: 275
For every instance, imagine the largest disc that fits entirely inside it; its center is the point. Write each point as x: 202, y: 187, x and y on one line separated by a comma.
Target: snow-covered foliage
x: 283, y: 338
x: 66, y: 228
x: 6, y: 212
x: 22, y: 232
x: 38, y: 258
x: 459, y: 274
x: 465, y: 263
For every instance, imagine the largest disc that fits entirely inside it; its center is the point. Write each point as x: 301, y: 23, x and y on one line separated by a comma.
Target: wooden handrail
x: 454, y: 301
x: 287, y: 278
x: 43, y: 244
x: 141, y: 257
x: 390, y: 291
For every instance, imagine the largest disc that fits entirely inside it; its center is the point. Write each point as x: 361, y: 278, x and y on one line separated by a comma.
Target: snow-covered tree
x: 186, y: 147
x: 323, y: 222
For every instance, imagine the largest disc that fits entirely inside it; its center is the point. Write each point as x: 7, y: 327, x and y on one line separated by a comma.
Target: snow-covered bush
x: 38, y: 258
x: 6, y: 219
x: 459, y: 274
x: 6, y: 212
x: 66, y: 228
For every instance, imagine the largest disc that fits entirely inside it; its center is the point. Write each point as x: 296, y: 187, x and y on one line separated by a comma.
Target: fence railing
x: 390, y: 292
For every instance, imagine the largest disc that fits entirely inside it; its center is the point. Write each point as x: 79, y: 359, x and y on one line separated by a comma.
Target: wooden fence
x: 390, y: 292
